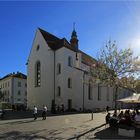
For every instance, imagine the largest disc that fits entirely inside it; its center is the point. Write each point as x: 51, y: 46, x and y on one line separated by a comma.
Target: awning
x: 19, y: 102
x: 135, y: 98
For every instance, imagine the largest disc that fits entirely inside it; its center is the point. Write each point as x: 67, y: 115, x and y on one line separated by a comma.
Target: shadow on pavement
x: 21, y: 122
x: 108, y: 133
x: 32, y: 135
x: 15, y: 135
x: 11, y: 115
x: 104, y: 133
x: 93, y: 129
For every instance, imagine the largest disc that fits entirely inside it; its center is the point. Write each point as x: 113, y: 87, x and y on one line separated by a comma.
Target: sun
x: 137, y: 43
x: 134, y: 45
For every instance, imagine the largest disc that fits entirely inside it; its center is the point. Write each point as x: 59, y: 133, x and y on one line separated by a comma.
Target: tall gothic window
x: 76, y: 56
x: 99, y: 92
x: 38, y: 74
x: 58, y: 68
x: 37, y: 48
x: 70, y: 61
x: 107, y: 93
x: 69, y: 83
x: 58, y: 91
x: 90, y: 97
x: 114, y: 96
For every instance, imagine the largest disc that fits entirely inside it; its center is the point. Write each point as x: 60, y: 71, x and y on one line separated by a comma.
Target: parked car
x: 1, y: 113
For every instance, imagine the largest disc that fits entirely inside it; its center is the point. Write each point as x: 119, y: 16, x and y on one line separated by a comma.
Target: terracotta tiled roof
x: 88, y: 60
x: 56, y: 43
x: 52, y: 41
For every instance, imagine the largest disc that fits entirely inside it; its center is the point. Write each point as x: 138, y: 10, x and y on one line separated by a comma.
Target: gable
x: 56, y: 43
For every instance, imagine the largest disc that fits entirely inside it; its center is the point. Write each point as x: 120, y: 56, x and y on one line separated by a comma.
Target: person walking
x: 35, y: 113
x: 62, y: 107
x: 107, y: 109
x: 107, y: 119
x: 44, y: 113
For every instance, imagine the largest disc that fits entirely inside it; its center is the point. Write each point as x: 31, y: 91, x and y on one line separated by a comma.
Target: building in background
x: 14, y: 89
x: 58, y: 74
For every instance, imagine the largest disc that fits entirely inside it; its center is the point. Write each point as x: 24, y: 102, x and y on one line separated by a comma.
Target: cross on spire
x: 73, y: 25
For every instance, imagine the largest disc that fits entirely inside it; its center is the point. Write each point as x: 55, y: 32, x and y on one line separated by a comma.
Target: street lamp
x: 84, y: 73
x: 1, y: 95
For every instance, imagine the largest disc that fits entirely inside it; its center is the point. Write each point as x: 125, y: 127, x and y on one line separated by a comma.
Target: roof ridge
x: 48, y: 33
x: 18, y: 75
x: 87, y: 55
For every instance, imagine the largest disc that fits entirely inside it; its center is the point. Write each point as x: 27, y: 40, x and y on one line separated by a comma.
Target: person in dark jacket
x: 107, y: 119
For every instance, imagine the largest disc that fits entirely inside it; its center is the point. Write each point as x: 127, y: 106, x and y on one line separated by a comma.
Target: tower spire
x: 74, y: 40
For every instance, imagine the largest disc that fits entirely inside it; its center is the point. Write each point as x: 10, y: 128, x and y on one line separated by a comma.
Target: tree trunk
x: 116, y: 96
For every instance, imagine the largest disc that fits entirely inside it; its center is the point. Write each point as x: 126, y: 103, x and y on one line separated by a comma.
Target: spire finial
x: 74, y: 26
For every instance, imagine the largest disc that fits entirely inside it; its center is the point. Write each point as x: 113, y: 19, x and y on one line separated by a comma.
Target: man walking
x: 107, y: 109
x: 35, y: 113
x: 44, y: 113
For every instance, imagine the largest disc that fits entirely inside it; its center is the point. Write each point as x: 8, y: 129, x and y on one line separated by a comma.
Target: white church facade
x: 58, y: 73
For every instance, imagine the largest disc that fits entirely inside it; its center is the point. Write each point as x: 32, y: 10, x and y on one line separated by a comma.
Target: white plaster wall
x: 44, y: 94
x: 22, y: 90
x: 94, y: 102
x: 13, y: 89
x: 74, y: 93
x: 7, y: 88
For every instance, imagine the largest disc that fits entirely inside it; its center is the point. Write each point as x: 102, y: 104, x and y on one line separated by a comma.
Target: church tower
x: 74, y: 40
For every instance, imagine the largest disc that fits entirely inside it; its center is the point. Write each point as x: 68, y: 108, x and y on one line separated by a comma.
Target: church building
x: 58, y: 74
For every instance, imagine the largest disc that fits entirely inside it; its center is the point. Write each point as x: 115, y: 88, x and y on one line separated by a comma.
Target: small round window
x: 37, y: 48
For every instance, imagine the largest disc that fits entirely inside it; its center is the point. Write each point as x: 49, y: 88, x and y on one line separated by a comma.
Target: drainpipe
x: 84, y: 73
x: 54, y: 76
x: 54, y: 84
x: 83, y: 91
x: 12, y: 90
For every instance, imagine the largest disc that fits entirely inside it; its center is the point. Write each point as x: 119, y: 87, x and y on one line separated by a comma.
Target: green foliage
x: 114, y: 64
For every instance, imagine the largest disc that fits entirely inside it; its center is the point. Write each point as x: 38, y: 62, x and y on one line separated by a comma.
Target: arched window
x: 107, y: 93
x: 58, y: 68
x: 37, y: 48
x: 59, y: 91
x: 70, y: 61
x: 90, y: 96
x: 99, y: 92
x: 38, y: 74
x: 69, y: 83
x: 76, y: 56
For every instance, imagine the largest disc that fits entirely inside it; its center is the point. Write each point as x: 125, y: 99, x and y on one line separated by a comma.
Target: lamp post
x: 84, y: 73
x: 1, y: 95
x: 83, y: 91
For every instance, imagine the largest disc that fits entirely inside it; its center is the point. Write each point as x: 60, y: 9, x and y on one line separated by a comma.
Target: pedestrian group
x: 44, y: 112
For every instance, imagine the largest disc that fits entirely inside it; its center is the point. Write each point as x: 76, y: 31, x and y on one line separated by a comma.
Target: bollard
x: 91, y: 115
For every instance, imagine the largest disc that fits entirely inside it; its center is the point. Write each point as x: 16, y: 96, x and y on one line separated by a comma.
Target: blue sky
x: 96, y: 22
